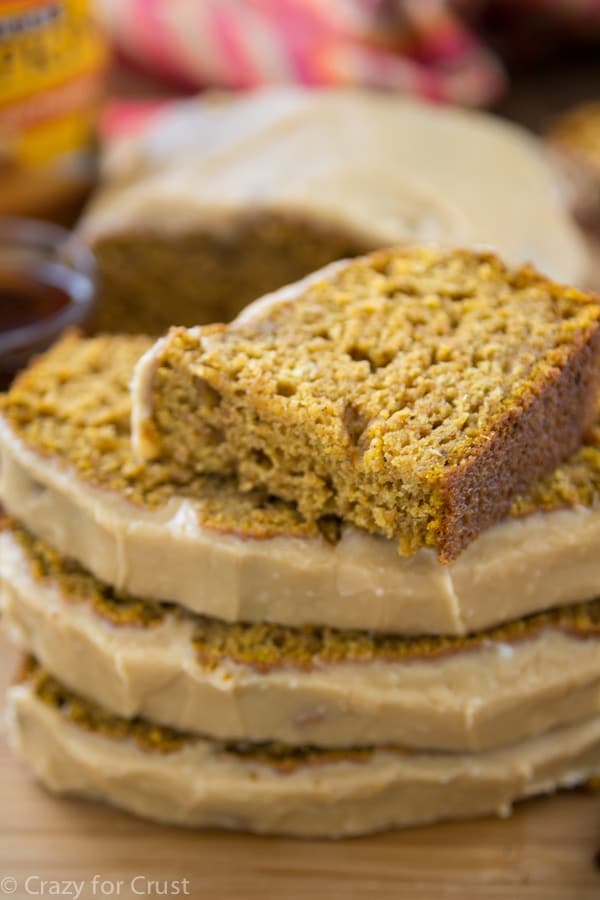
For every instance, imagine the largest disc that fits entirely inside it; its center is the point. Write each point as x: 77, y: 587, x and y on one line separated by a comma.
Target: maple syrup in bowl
x: 47, y: 284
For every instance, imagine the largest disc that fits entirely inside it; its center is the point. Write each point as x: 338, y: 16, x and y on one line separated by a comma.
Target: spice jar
x: 52, y: 65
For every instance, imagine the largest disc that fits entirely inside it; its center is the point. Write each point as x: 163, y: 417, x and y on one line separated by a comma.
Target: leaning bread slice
x: 412, y: 392
x: 315, y: 686
x: 76, y: 748
x: 68, y: 473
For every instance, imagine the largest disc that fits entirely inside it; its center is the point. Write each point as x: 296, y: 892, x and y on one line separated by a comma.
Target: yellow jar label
x: 52, y: 57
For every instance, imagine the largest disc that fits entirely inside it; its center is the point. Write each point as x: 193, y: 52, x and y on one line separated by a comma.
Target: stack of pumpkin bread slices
x: 327, y: 570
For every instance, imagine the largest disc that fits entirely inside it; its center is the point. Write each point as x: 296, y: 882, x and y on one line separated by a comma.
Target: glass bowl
x: 47, y: 284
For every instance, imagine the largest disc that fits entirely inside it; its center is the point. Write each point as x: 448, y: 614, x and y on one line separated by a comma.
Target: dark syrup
x: 29, y: 297
x: 32, y: 301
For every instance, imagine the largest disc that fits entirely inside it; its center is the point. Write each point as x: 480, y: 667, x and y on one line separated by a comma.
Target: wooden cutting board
x: 546, y: 851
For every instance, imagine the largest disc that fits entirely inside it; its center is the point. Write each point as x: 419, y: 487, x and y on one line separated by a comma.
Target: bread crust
x: 373, y: 392
x: 524, y: 448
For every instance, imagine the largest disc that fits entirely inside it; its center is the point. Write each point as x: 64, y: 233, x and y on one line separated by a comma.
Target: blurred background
x: 77, y: 77
x: 468, y: 52
x: 529, y: 60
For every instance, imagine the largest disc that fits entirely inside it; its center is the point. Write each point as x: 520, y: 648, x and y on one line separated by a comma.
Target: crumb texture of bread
x: 151, y: 281
x: 73, y: 405
x: 413, y: 392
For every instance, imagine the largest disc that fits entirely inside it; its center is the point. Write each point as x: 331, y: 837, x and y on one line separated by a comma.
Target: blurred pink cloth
x: 429, y: 48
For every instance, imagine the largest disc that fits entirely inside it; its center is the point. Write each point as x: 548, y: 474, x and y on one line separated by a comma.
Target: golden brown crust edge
x: 529, y: 442
x: 507, y: 465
